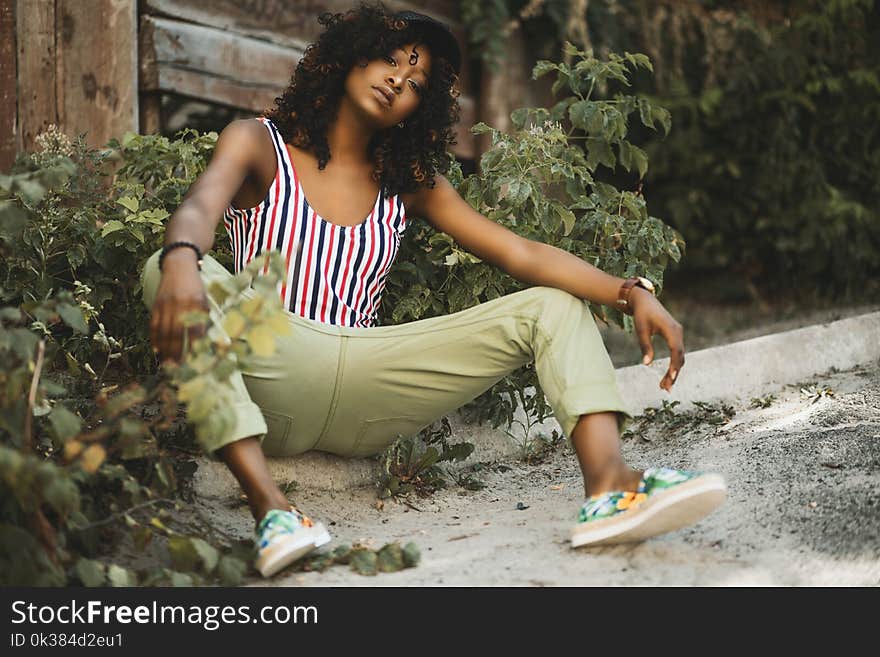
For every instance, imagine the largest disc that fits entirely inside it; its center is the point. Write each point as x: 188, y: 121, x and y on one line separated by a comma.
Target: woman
x: 355, y: 146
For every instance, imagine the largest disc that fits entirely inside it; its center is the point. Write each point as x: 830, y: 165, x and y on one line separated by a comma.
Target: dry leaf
x: 92, y: 458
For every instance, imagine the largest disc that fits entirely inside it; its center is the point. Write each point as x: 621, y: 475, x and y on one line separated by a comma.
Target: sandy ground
x: 803, y: 508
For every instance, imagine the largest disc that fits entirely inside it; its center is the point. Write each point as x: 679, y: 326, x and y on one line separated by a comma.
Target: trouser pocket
x: 376, y: 434
x: 279, y: 427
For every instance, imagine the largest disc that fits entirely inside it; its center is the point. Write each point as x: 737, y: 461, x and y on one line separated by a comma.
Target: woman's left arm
x: 542, y: 264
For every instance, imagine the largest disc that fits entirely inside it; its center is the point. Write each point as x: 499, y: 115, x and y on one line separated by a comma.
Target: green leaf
x: 411, y: 555
x: 10, y: 314
x: 640, y: 158
x: 73, y: 317
x: 390, y: 559
x: 231, y: 570
x: 111, y: 227
x: 61, y: 493
x: 181, y: 579
x: 64, y: 423
x: 663, y: 117
x: 566, y: 216
x: 625, y: 155
x: 364, y: 562
x: 30, y: 191
x: 542, y: 68
x: 581, y: 113
x: 208, y: 555
x: 90, y: 572
x: 261, y: 340
x: 481, y: 129
x: 129, y: 203
x: 190, y: 553
x: 119, y: 576
x: 12, y: 218
x: 646, y: 113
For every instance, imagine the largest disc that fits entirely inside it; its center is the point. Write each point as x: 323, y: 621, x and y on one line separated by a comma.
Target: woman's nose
x: 394, y: 81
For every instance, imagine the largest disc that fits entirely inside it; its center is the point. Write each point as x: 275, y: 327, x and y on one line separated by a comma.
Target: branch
x: 32, y: 395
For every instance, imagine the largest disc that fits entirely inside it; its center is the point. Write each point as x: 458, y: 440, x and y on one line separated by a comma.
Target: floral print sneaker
x: 282, y: 537
x: 665, y: 500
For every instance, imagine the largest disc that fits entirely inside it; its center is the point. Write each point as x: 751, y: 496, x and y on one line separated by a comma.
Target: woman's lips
x: 382, y: 97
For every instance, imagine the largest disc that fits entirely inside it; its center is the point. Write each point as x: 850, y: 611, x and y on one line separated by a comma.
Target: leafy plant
x: 363, y: 560
x: 411, y: 464
x: 815, y: 392
x: 763, y: 402
x: 84, y: 459
x: 666, y: 419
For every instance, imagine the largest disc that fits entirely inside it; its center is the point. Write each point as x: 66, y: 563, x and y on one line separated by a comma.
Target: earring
x: 400, y: 125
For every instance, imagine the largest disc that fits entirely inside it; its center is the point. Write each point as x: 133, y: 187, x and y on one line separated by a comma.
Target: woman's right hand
x: 181, y: 290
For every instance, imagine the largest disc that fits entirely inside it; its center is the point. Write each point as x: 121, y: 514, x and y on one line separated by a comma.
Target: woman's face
x: 388, y: 90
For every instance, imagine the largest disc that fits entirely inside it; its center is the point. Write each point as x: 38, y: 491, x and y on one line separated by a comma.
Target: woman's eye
x: 391, y: 60
x: 416, y: 86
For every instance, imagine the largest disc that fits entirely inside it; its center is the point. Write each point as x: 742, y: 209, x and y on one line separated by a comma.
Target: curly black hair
x: 405, y: 158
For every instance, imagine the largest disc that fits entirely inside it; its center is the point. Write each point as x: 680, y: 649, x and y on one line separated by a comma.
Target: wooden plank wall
x: 8, y: 85
x: 97, y: 67
x: 242, y: 52
x: 37, y: 106
x: 77, y: 68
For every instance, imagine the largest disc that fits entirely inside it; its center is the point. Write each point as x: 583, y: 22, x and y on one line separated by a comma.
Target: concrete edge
x: 758, y: 366
x: 736, y: 371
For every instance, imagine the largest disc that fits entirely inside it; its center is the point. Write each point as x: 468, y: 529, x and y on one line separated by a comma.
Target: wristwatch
x: 623, y: 293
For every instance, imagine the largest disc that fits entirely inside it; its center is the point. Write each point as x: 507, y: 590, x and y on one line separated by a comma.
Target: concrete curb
x: 734, y: 372
x: 758, y: 366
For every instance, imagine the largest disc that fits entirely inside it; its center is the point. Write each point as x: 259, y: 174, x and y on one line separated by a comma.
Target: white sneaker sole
x: 276, y: 557
x: 665, y: 511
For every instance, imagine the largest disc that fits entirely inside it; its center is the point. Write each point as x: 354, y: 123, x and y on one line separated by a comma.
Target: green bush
x: 88, y: 435
x: 771, y: 173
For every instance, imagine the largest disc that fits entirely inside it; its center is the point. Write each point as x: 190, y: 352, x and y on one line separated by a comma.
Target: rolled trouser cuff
x: 588, y: 399
x: 249, y: 421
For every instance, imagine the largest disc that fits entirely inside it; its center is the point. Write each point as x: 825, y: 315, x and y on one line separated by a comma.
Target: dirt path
x: 803, y: 508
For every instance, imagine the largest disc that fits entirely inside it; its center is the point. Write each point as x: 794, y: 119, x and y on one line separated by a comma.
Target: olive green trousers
x: 353, y: 391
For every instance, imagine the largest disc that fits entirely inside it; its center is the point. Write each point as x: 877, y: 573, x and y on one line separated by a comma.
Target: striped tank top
x: 338, y: 274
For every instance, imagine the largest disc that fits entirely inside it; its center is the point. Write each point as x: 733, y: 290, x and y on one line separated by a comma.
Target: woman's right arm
x: 195, y: 220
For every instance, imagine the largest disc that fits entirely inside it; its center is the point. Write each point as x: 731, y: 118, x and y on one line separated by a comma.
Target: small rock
x: 521, y: 507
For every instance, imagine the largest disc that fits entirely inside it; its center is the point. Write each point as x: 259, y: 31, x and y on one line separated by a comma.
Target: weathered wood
x: 507, y: 88
x: 291, y: 23
x: 37, y: 105
x: 211, y: 64
x: 465, y: 146
x: 8, y: 92
x: 150, y: 113
x: 97, y: 68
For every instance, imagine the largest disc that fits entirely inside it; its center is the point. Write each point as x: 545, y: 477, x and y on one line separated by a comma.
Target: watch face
x: 645, y: 283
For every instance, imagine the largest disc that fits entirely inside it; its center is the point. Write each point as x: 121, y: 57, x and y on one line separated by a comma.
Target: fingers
x: 643, y: 332
x: 673, y: 333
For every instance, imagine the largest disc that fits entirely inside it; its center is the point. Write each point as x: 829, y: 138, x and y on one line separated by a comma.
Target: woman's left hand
x: 651, y: 317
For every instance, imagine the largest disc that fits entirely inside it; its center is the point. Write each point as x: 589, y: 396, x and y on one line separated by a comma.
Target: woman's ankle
x: 259, y: 508
x: 621, y: 479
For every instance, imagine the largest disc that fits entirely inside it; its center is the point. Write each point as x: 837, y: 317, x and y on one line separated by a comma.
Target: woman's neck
x: 347, y: 136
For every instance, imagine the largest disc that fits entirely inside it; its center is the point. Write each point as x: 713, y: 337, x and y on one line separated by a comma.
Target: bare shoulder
x: 245, y: 146
x: 426, y: 200
x: 246, y: 140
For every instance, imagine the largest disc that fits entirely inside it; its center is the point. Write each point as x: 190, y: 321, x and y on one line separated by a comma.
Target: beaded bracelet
x: 168, y: 247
